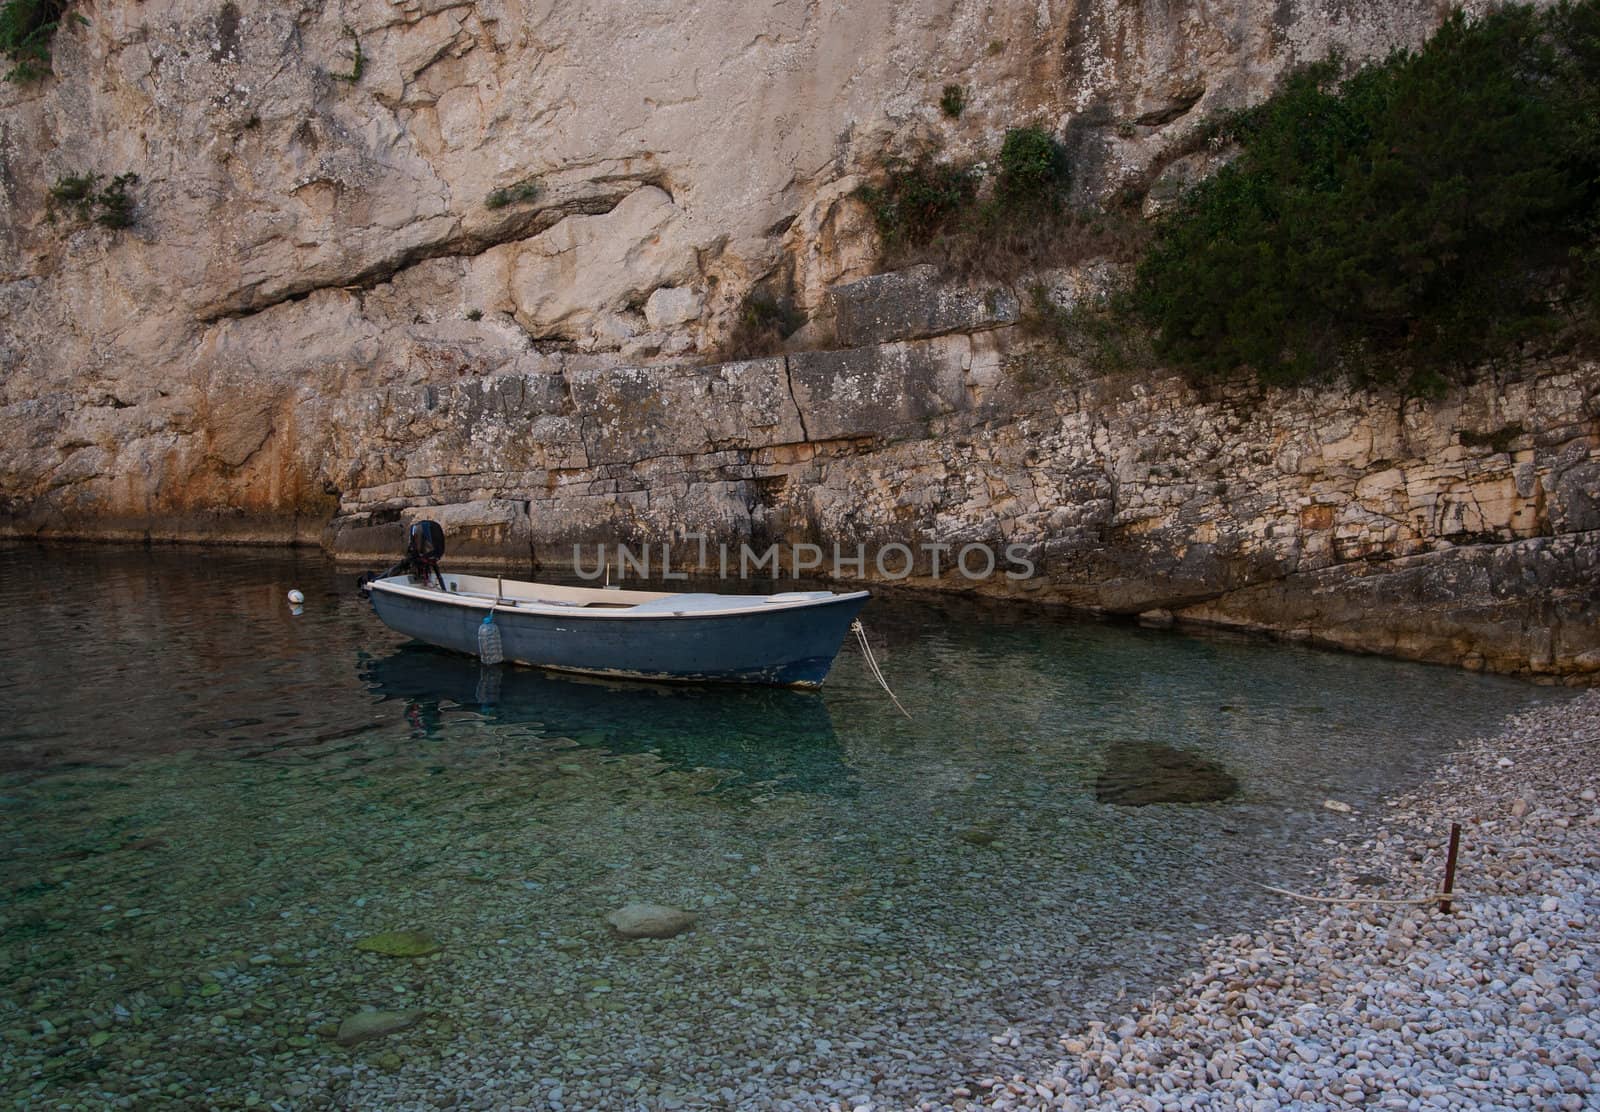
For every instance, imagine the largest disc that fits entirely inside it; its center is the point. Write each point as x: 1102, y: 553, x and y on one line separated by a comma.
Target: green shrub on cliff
x: 1423, y: 214
x: 763, y: 323
x: 26, y: 28
x: 920, y: 200
x: 358, y: 61
x: 928, y: 211
x: 1033, y: 175
x: 528, y: 189
x: 81, y: 197
x: 1092, y: 329
x: 953, y: 101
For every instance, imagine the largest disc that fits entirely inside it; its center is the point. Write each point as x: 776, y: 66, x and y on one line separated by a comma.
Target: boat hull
x: 791, y: 646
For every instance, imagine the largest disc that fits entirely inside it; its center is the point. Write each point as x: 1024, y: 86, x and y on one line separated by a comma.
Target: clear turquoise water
x: 205, y: 800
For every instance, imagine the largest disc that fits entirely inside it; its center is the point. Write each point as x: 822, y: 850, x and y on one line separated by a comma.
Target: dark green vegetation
x: 994, y: 225
x: 919, y: 201
x: 1099, y: 333
x: 1422, y: 215
x: 1402, y: 222
x: 358, y: 62
x: 953, y: 101
x: 82, y: 198
x: 525, y: 190
x: 26, y: 28
x: 763, y: 324
x: 1033, y: 174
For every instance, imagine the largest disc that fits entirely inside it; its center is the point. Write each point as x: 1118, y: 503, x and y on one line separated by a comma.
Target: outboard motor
x: 427, y: 544
x: 424, y: 550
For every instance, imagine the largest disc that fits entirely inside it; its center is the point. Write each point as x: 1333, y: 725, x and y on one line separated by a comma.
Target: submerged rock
x: 370, y: 1025
x: 400, y: 944
x: 641, y: 920
x: 1139, y: 774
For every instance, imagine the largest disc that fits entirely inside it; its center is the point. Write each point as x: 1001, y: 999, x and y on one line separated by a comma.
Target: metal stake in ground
x: 1450, y: 867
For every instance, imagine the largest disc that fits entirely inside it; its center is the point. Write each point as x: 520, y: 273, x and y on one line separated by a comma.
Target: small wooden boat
x: 788, y: 639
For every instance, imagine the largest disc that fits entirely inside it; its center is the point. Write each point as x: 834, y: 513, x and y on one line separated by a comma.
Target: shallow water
x: 206, y: 800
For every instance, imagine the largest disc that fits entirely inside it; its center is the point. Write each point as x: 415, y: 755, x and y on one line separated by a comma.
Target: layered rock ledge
x: 1464, y: 529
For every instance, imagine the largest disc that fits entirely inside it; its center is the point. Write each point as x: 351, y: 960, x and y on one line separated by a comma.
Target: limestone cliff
x: 475, y: 257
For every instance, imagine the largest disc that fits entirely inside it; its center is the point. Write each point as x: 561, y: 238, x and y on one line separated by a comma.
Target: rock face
x: 912, y: 305
x: 475, y: 273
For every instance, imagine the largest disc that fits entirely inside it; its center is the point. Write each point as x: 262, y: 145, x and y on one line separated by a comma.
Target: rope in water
x: 872, y: 664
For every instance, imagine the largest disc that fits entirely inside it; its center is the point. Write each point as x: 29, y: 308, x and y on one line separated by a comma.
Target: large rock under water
x: 400, y: 944
x: 374, y: 1024
x: 644, y: 920
x: 1143, y: 773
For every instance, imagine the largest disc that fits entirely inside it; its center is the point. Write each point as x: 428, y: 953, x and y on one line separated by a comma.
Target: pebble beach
x: 1494, y: 1005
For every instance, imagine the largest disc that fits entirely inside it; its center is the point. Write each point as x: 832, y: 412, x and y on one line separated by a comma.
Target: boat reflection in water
x: 775, y: 737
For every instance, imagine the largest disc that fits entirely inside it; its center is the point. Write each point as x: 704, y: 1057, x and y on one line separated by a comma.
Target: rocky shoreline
x: 1495, y: 1005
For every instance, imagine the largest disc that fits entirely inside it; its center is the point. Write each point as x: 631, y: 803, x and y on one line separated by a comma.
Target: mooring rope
x: 872, y: 664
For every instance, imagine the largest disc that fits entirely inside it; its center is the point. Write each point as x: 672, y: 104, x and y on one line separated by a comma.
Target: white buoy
x: 296, y: 597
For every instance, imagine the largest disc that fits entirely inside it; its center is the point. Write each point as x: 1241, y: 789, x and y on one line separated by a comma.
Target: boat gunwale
x: 544, y: 609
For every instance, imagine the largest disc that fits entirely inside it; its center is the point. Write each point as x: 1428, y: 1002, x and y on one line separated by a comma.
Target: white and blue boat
x: 789, y: 639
